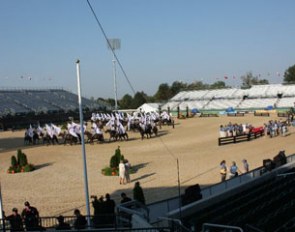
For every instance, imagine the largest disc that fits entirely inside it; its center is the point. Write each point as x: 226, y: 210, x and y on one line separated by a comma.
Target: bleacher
x: 222, y: 104
x: 261, y: 103
x: 257, y: 97
x: 23, y: 101
x: 267, y: 206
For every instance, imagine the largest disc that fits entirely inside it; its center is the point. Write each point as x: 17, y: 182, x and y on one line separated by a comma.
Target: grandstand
x: 18, y: 108
x: 37, y: 101
x: 260, y: 200
x: 257, y: 97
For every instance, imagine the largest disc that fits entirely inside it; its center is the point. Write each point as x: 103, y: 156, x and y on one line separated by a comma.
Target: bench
x: 239, y: 138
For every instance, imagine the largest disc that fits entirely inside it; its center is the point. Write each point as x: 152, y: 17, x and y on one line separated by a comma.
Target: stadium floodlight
x: 114, y: 44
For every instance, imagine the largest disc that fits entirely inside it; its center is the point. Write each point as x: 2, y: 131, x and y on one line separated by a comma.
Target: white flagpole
x: 83, y: 144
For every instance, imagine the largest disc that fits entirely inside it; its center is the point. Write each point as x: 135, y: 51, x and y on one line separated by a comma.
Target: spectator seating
x: 257, y: 97
x: 266, y: 205
x: 24, y: 101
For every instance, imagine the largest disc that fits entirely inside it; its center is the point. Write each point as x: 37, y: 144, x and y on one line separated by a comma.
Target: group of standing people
x: 233, y: 129
x: 275, y: 127
x: 28, y: 219
x: 233, y: 170
x: 124, y: 168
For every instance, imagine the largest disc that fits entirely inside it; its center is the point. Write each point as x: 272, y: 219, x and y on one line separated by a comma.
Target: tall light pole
x: 83, y: 144
x: 114, y: 44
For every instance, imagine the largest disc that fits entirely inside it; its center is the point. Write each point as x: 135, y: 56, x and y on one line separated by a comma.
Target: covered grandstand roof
x: 46, y: 100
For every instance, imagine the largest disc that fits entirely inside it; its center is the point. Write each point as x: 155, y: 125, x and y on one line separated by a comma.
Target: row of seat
x: 222, y: 104
x: 17, y: 101
x: 256, y: 91
x: 266, y: 206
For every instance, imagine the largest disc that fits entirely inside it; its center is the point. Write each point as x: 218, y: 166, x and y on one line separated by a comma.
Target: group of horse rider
x: 137, y: 118
x: 116, y: 123
x: 49, y: 131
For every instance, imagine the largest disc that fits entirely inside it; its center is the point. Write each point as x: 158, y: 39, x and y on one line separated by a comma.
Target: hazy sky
x: 161, y: 41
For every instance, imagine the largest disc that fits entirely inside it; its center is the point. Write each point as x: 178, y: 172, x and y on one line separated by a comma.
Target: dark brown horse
x: 68, y: 138
x: 91, y: 138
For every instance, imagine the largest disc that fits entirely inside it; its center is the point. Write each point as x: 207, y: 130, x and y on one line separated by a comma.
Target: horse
x: 31, y: 140
x: 146, y: 131
x: 68, y: 138
x: 47, y: 139
x: 113, y: 135
x: 155, y: 130
x: 122, y: 136
x: 165, y: 121
x: 91, y: 138
x: 28, y: 140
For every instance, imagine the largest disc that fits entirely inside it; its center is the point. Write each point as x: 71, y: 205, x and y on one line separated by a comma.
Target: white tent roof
x: 149, y: 107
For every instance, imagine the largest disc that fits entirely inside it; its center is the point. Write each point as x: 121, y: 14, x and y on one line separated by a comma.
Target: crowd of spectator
x: 234, y: 129
x: 274, y: 128
x: 233, y: 170
x: 104, y: 214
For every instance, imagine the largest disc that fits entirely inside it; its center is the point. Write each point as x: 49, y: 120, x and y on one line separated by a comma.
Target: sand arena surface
x: 57, y: 186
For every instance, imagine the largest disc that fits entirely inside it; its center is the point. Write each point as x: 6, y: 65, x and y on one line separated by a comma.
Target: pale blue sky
x: 161, y: 41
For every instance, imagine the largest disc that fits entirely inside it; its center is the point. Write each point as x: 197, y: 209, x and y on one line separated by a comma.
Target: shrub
x: 13, y: 161
x: 29, y: 168
x: 113, y: 169
x: 20, y: 164
x: 116, y: 158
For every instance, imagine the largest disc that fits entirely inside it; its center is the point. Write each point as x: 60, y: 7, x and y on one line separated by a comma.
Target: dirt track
x: 57, y: 186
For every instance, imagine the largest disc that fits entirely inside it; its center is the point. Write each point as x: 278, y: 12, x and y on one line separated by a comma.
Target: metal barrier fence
x: 105, y: 222
x: 162, y: 208
x: 207, y: 227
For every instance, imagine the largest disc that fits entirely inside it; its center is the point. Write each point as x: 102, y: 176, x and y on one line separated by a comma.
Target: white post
x: 115, y: 82
x: 83, y: 144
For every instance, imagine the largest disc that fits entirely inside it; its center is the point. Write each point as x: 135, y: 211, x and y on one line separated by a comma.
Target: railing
x: 162, y: 208
x: 206, y: 227
x: 173, y: 223
x: 51, y: 223
x: 239, y: 138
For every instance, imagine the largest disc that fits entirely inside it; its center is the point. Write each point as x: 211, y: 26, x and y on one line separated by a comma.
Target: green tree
x: 126, y: 102
x: 248, y: 80
x: 177, y: 86
x: 110, y: 101
x: 198, y: 85
x: 163, y: 93
x: 139, y: 99
x: 289, y: 75
x: 218, y: 85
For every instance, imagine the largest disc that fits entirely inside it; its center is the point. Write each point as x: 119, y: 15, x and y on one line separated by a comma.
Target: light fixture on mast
x: 114, y: 44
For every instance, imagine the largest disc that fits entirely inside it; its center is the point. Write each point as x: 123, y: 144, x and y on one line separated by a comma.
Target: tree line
x: 166, y: 91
